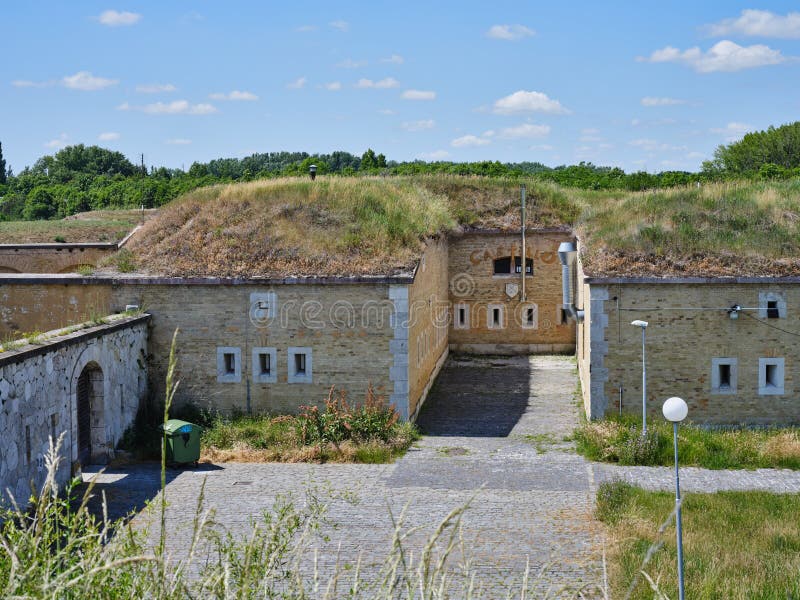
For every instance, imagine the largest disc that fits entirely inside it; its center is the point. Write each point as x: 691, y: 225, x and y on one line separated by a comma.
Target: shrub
x: 371, y: 421
x: 640, y: 449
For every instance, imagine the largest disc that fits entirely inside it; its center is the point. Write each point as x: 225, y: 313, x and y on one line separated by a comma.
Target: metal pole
x: 678, y: 523
x: 644, y: 388
x: 523, y: 260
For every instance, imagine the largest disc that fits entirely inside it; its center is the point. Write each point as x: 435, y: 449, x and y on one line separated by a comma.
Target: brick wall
x: 52, y: 258
x: 688, y: 327
x: 428, y: 322
x: 474, y: 285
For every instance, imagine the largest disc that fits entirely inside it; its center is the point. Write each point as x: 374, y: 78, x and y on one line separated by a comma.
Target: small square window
x: 770, y: 376
x: 495, y: 317
x: 229, y: 364
x: 300, y: 365
x: 724, y: 373
x: 265, y: 363
x: 461, y: 316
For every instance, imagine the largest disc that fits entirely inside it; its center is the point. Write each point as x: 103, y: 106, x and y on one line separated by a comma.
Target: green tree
x: 369, y: 160
x: 3, y: 177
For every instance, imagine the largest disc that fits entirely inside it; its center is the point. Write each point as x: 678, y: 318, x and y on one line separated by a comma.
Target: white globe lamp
x: 675, y: 409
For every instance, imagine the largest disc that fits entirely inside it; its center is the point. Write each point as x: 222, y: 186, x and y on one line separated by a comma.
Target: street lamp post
x: 643, y: 326
x: 675, y: 410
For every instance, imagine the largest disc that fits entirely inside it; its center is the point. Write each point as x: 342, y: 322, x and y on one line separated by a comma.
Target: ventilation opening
x: 529, y: 316
x: 772, y: 309
x: 229, y: 363
x: 724, y: 376
x: 265, y: 364
x: 300, y: 364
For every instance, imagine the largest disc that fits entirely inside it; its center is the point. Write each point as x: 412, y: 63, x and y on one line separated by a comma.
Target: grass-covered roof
x: 339, y: 226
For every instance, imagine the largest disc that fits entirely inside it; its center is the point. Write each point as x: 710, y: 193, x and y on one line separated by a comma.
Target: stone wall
x: 52, y: 258
x: 429, y: 321
x: 475, y: 288
x: 690, y: 331
x: 344, y: 329
x: 39, y: 398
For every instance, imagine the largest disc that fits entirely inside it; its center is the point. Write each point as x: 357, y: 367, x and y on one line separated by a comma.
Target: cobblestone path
x: 494, y: 430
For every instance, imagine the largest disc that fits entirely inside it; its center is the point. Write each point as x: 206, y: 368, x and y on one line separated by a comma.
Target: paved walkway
x: 494, y: 438
x: 494, y: 430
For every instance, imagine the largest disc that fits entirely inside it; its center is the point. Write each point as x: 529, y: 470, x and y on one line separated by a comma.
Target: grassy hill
x: 339, y: 226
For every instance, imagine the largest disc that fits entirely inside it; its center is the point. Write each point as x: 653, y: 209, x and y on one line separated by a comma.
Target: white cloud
x: 349, y: 63
x: 155, y: 88
x: 695, y: 155
x: 723, y: 56
x: 178, y: 142
x: 418, y: 95
x: 387, y: 111
x: 509, y: 32
x: 235, y: 95
x: 306, y: 28
x: 25, y: 83
x: 468, y: 141
x: 333, y: 86
x: 732, y: 131
x: 395, y: 59
x: 542, y: 147
x: 58, y: 142
x: 662, y: 101
x: 435, y: 155
x: 762, y: 23
x: 649, y: 145
x: 419, y: 125
x: 297, y: 84
x: 85, y: 81
x: 113, y: 18
x: 525, y: 130
x: 340, y: 25
x: 523, y: 102
x: 108, y: 136
x: 388, y: 82
x: 177, y: 107
x: 590, y: 139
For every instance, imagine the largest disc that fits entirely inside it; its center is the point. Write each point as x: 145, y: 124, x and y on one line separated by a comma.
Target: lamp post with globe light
x: 675, y: 410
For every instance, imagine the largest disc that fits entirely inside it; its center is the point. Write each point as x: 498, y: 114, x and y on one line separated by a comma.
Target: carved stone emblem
x: 512, y: 289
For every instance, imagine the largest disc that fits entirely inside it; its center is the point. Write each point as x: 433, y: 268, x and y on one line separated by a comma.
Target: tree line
x: 80, y: 178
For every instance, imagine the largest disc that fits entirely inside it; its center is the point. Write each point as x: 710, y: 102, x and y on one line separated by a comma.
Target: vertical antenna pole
x: 524, y: 259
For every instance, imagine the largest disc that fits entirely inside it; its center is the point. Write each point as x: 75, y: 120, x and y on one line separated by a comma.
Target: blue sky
x: 640, y: 85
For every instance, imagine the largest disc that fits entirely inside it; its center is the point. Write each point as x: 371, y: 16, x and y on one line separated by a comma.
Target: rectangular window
x: 724, y: 373
x: 529, y: 316
x: 770, y: 376
x: 495, y: 317
x: 229, y: 364
x: 772, y: 309
x: 528, y: 265
x: 300, y: 365
x: 265, y: 363
x: 771, y: 305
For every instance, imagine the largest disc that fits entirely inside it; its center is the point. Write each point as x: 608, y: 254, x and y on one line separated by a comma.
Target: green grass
x: 619, y: 440
x: 102, y: 226
x: 737, y: 545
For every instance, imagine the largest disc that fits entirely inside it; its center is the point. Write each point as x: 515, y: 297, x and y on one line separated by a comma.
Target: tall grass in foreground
x: 737, y: 545
x: 58, y: 549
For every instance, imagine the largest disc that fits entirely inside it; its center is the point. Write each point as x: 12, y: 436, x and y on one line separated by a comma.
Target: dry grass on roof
x: 733, y: 229
x: 292, y: 228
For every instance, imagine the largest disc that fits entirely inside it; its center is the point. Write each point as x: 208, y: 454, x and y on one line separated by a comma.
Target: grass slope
x: 339, y: 226
x: 96, y: 226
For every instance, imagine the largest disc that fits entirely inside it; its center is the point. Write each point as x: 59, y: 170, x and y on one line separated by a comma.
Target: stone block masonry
x: 86, y: 384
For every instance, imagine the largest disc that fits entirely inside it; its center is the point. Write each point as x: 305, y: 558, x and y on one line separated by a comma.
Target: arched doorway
x: 91, y: 414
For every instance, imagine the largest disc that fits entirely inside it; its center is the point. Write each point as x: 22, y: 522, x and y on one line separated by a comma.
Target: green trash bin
x: 183, y: 441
